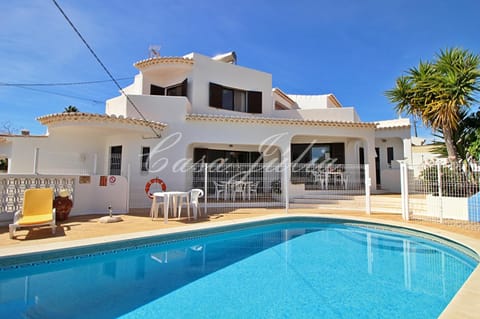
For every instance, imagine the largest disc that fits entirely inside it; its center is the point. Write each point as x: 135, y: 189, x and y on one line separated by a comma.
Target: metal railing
x: 442, y: 193
x: 231, y: 186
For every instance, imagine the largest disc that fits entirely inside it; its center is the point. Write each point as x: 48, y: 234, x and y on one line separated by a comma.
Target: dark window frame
x: 145, y: 159
x: 252, y: 101
x: 115, y: 167
x: 390, y: 156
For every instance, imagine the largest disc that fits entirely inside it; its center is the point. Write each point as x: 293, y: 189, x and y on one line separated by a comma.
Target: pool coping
x: 464, y: 304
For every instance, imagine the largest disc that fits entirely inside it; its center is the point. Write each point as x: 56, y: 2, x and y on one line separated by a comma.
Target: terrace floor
x: 88, y: 226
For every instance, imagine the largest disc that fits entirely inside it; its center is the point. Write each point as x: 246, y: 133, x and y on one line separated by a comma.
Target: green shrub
x: 455, y: 182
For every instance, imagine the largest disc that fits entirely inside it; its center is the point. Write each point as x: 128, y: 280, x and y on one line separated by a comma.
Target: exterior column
x: 407, y: 149
x: 370, y: 159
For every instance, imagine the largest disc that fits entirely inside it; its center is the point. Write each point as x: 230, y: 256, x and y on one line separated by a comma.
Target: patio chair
x: 195, y: 194
x: 159, y: 201
x: 238, y: 187
x: 220, y: 188
x: 37, y: 210
x: 319, y: 179
x: 253, y: 189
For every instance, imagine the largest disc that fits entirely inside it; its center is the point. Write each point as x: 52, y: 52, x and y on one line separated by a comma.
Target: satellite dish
x: 154, y: 51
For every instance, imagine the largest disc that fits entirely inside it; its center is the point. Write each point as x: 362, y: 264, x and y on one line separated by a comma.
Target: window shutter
x: 184, y: 87
x: 254, y: 102
x: 156, y: 90
x: 216, y: 95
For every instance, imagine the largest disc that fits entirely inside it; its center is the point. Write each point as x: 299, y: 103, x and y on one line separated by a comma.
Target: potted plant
x: 62, y: 204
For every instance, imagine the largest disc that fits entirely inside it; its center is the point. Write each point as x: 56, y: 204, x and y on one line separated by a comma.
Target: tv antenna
x: 154, y: 51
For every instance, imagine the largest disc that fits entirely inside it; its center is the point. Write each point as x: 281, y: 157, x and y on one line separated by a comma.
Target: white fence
x: 227, y: 187
x: 441, y: 193
x: 231, y: 186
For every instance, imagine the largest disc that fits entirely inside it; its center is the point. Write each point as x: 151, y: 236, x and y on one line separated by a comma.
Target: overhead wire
x: 103, y: 66
x: 60, y: 94
x: 33, y: 87
x: 60, y: 83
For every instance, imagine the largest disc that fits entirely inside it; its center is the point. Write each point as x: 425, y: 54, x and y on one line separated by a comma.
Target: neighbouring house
x: 192, y: 108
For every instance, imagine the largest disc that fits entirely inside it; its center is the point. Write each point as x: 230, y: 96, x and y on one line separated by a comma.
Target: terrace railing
x: 230, y: 186
x: 442, y: 193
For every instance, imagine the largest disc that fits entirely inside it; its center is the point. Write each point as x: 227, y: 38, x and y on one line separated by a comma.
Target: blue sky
x: 354, y: 49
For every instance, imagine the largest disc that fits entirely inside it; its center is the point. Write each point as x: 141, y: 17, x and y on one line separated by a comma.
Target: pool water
x: 285, y: 270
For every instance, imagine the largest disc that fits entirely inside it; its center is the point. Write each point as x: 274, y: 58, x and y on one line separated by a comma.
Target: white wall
x: 206, y: 70
x: 93, y: 198
x: 347, y: 114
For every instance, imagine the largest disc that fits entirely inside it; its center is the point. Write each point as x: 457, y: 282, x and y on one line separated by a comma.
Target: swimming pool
x: 291, y: 268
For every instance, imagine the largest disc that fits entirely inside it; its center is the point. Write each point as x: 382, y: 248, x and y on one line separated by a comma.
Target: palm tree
x: 70, y: 109
x: 437, y: 91
x: 467, y: 137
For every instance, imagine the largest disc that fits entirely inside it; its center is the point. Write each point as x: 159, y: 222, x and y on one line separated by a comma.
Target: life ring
x: 155, y: 180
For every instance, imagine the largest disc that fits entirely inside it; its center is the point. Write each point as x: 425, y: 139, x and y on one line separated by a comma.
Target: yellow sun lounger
x: 37, y: 210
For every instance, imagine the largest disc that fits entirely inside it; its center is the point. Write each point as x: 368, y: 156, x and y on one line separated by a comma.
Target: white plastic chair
x: 195, y: 194
x: 220, y: 189
x: 158, y: 202
x: 253, y: 189
x: 319, y: 178
x: 238, y: 187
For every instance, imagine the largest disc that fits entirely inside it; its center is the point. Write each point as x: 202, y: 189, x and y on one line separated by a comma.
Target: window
x: 227, y: 99
x: 115, y: 160
x: 389, y: 156
x: 156, y: 90
x: 239, y: 99
x: 179, y: 89
x: 145, y: 159
x: 235, y: 100
x: 318, y: 153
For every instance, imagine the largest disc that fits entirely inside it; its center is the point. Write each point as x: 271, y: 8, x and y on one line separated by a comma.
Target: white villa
x: 193, y: 108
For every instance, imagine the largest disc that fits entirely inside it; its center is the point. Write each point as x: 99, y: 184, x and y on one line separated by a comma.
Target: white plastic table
x: 334, y: 175
x: 174, y: 195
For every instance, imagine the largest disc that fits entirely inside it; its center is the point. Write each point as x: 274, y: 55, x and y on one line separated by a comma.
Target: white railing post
x: 440, y: 193
x: 368, y: 184
x: 9, y: 166
x: 35, y: 160
x: 206, y: 189
x: 404, y: 189
x: 286, y: 179
x: 129, y: 173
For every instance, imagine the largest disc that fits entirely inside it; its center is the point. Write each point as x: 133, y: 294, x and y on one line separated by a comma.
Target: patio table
x: 174, y: 196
